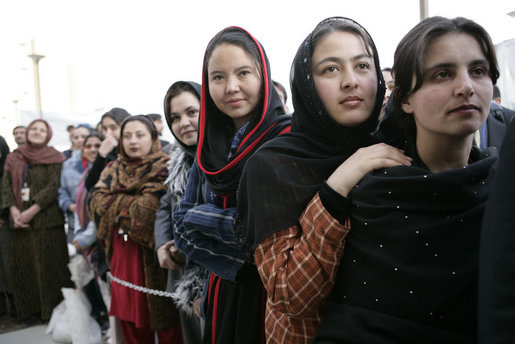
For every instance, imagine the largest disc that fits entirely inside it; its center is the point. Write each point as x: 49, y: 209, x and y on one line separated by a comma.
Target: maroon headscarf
x: 32, y: 154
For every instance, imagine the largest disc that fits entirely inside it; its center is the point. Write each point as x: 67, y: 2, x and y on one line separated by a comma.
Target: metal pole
x: 37, y: 90
x: 423, y: 9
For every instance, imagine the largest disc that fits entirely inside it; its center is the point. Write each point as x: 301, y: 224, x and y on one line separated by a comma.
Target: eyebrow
x: 237, y: 69
x: 187, y: 109
x: 453, y: 65
x: 336, y: 59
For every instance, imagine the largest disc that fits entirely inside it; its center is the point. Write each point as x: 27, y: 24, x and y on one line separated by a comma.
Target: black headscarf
x: 196, y: 87
x: 216, y: 130
x: 117, y: 114
x: 282, y: 177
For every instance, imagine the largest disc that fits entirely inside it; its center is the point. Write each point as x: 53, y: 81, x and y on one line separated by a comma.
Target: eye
x: 217, y: 77
x: 192, y: 112
x: 244, y: 72
x: 175, y: 118
x: 443, y: 74
x: 363, y: 66
x: 479, y: 71
x: 329, y: 69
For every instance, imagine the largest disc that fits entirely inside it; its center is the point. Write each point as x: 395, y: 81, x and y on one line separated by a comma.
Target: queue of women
x: 323, y: 226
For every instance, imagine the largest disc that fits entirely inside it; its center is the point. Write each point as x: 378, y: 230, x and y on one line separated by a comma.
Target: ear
x: 406, y: 105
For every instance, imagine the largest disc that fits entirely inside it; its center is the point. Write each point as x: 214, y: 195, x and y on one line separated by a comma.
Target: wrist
x: 338, y: 187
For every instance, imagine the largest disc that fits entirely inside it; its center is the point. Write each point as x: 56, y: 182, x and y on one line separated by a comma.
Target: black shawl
x: 216, y: 131
x: 409, y: 271
x: 282, y: 177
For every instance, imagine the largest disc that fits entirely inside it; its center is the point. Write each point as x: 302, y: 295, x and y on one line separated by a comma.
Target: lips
x: 465, y: 108
x: 235, y: 101
x: 351, y: 100
x: 189, y: 132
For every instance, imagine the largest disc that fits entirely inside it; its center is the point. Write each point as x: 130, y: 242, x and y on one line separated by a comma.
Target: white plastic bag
x: 58, y: 325
x: 80, y: 270
x: 84, y: 329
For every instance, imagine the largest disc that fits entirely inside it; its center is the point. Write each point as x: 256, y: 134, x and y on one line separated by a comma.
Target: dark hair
x: 497, y: 92
x: 143, y: 119
x: 154, y: 116
x: 18, y: 127
x: 174, y: 90
x: 116, y: 114
x: 386, y: 69
x: 409, y: 59
x: 239, y: 37
x: 343, y: 24
x: 93, y: 133
x: 234, y: 35
x: 281, y: 87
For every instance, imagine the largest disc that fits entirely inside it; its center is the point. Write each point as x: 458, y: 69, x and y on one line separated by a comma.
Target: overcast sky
x: 105, y: 53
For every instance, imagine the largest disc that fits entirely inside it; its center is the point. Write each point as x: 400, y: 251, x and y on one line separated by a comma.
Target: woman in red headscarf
x: 39, y: 256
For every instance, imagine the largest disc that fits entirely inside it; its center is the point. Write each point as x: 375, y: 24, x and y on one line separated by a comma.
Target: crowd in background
x: 358, y: 217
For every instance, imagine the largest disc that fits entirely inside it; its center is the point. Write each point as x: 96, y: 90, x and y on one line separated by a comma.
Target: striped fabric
x: 298, y: 267
x: 204, y: 232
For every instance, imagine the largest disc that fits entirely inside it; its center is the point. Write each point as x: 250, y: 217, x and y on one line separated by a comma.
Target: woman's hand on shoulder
x: 365, y: 160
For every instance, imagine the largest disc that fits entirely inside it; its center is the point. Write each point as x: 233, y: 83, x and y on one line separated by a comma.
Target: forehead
x: 134, y: 126
x: 38, y: 125
x: 453, y: 48
x: 339, y: 43
x: 19, y: 130
x: 81, y: 130
x: 107, y: 121
x: 184, y: 98
x: 92, y: 139
x: 226, y: 56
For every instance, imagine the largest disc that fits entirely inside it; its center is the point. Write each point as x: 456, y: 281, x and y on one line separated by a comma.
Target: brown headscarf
x: 127, y: 194
x: 30, y: 154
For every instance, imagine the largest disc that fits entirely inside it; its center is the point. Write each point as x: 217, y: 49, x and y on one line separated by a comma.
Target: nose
x: 232, y: 85
x: 349, y: 79
x: 184, y: 121
x: 464, y: 85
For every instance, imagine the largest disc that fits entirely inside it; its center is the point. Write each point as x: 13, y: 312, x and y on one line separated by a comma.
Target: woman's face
x: 90, y: 148
x: 78, y: 136
x: 184, y: 111
x: 456, y: 90
x: 136, y: 140
x: 110, y: 127
x: 345, y: 77
x: 37, y: 133
x: 234, y: 82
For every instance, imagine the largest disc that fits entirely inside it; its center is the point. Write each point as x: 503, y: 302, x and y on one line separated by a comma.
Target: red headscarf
x: 32, y: 154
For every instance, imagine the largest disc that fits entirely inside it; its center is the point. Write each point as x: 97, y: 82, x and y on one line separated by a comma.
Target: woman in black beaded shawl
x: 409, y: 271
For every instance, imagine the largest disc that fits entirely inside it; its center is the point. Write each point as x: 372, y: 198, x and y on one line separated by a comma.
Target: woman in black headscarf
x: 240, y: 110
x: 181, y: 108
x: 410, y: 267
x: 108, y: 151
x: 290, y: 220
